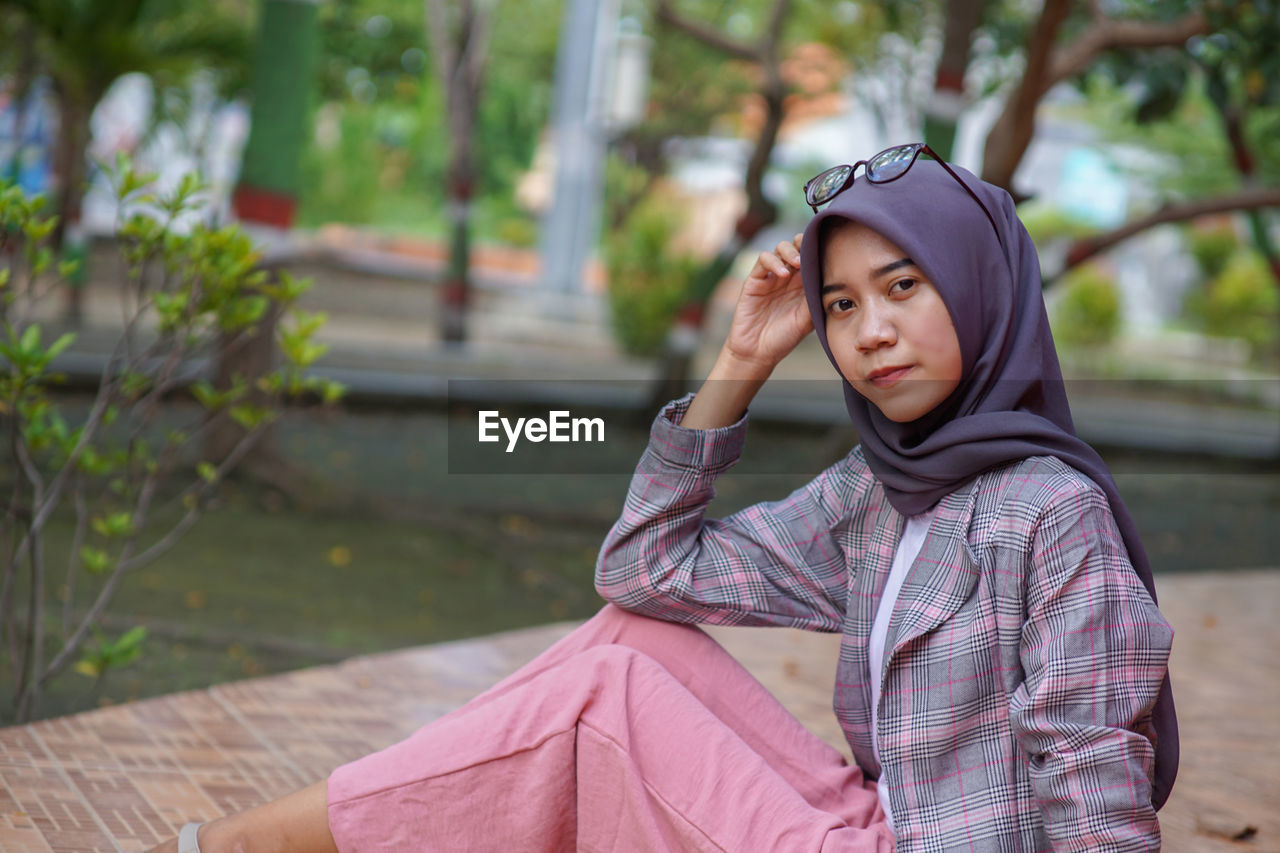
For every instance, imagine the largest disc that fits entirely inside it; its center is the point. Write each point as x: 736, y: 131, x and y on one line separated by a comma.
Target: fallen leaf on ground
x: 1225, y: 826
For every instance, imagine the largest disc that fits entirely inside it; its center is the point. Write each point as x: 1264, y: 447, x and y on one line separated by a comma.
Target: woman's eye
x: 904, y: 285
x: 839, y: 305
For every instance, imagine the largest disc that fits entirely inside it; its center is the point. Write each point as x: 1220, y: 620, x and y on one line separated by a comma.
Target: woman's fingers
x: 769, y: 262
x: 771, y: 317
x: 789, y: 251
x: 781, y: 262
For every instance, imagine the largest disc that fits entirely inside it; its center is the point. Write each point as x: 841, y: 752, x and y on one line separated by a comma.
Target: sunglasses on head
x: 889, y: 165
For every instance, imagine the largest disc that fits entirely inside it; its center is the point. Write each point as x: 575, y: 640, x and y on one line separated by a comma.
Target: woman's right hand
x: 772, y: 316
x: 770, y: 319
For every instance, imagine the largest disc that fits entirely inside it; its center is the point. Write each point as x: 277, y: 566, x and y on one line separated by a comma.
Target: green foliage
x: 648, y: 280
x: 87, y: 46
x: 26, y: 358
x: 1189, y: 155
x: 1088, y: 313
x: 691, y: 88
x: 1046, y: 224
x: 106, y: 654
x: 342, y: 181
x: 187, y: 295
x: 1212, y: 248
x: 1240, y: 302
x: 370, y: 47
x: 1174, y: 103
x: 381, y: 156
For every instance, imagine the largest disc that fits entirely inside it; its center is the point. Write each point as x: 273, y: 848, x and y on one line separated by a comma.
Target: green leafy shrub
x: 648, y: 280
x: 128, y: 481
x: 1212, y: 248
x: 341, y: 180
x: 1240, y: 302
x: 1088, y: 313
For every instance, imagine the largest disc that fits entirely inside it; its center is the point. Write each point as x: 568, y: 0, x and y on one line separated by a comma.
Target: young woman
x: 1002, y: 674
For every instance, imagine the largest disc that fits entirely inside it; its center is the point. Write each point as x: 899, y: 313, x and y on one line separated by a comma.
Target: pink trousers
x: 630, y: 734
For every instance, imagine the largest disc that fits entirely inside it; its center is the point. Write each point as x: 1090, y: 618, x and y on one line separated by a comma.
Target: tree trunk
x: 1047, y: 64
x: 266, y: 196
x: 947, y: 101
x: 457, y: 284
x: 74, y: 112
x: 676, y: 358
x: 1011, y: 134
x: 1233, y: 128
x: 459, y: 37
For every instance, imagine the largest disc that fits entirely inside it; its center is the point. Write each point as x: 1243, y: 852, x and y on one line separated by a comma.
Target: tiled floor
x: 124, y: 778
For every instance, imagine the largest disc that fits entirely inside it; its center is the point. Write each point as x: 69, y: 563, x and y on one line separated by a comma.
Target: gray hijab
x: 1011, y: 403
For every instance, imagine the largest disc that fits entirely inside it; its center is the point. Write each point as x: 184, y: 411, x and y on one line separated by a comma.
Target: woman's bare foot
x: 298, y: 823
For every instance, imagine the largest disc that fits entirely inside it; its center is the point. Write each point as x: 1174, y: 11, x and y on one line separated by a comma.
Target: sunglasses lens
x: 825, y: 186
x: 890, y: 164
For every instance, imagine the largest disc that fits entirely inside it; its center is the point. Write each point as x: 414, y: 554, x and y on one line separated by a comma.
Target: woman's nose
x: 876, y: 329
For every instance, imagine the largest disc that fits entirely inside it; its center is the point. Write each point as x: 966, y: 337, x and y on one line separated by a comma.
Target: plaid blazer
x: 1023, y: 657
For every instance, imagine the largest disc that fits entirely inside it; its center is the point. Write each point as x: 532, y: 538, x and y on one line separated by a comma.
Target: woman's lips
x: 884, y: 380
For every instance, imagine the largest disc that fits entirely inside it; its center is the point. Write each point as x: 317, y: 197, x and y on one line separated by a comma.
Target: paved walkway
x: 123, y: 778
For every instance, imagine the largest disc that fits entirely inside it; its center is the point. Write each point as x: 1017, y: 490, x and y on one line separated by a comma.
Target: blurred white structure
x: 601, y: 88
x: 205, y: 135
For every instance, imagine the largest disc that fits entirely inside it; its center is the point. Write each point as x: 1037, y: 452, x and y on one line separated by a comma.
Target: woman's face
x: 887, y: 326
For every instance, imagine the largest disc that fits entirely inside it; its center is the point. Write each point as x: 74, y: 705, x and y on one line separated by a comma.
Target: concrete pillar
x: 572, y: 228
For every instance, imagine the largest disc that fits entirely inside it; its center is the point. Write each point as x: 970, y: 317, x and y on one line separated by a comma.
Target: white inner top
x: 908, y: 549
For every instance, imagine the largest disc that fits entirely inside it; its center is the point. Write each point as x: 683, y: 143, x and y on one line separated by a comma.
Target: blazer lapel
x: 875, y: 541
x: 942, y: 577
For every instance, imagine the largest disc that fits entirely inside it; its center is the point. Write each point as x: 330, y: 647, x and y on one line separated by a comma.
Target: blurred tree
x: 1062, y: 43
x: 460, y: 46
x: 125, y: 472
x: 1153, y: 49
x: 376, y: 138
x: 84, y: 47
x: 1088, y: 314
x: 380, y: 154
x: 961, y: 20
x: 1234, y: 69
x: 745, y: 44
x: 369, y: 48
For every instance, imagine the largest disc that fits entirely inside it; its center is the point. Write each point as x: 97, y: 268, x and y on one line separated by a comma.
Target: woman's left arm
x: 1094, y: 652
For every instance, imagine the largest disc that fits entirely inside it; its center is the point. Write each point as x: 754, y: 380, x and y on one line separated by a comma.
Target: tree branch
x: 1252, y: 199
x: 1011, y: 134
x: 1012, y: 131
x: 129, y: 561
x: 1109, y: 34
x: 667, y: 14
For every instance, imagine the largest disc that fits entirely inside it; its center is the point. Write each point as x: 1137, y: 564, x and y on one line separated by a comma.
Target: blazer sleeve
x: 774, y: 563
x: 1094, y: 652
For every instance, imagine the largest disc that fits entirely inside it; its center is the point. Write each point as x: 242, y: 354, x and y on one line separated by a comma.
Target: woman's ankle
x: 230, y: 835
